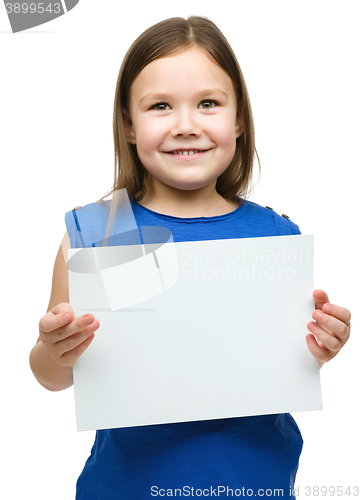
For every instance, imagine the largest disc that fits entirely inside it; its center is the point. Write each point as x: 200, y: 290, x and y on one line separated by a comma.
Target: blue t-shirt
x: 219, y: 458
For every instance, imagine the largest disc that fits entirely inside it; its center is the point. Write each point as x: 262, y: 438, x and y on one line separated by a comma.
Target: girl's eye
x: 208, y: 104
x: 160, y: 106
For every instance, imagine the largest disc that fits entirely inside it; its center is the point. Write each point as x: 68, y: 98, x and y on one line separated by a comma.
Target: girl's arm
x: 62, y: 338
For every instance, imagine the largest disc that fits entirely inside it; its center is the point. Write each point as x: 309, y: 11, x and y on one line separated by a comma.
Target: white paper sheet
x: 195, y: 331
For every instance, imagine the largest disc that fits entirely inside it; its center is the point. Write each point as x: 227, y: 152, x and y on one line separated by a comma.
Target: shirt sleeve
x: 284, y: 225
x: 74, y: 229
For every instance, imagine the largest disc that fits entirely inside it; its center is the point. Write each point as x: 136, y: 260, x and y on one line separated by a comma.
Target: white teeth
x: 192, y: 152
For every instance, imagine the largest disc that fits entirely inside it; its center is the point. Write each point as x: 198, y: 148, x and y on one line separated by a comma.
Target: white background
x: 301, y: 64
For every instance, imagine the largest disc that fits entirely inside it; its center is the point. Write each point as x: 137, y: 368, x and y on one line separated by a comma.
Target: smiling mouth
x: 188, y: 152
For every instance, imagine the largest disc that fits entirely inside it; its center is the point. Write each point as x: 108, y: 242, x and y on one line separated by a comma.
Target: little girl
x: 184, y: 149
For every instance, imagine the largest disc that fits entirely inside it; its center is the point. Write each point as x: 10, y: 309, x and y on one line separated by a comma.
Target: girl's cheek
x: 153, y: 129
x: 152, y: 141
x: 227, y: 130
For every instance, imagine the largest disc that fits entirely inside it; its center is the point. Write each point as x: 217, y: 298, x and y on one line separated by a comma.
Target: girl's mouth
x: 187, y: 152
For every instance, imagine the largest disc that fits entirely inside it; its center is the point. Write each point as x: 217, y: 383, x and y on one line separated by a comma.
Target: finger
x: 54, y: 333
x: 330, y: 342
x: 69, y: 358
x: 71, y: 342
x: 338, y: 312
x: 317, y: 351
x: 77, y: 325
x: 57, y: 317
x: 331, y: 324
x: 320, y: 297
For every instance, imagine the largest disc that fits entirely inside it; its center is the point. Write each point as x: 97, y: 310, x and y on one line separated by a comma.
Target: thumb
x: 321, y: 298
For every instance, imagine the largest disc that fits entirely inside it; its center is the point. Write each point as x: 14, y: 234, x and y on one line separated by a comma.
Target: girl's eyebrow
x: 200, y: 94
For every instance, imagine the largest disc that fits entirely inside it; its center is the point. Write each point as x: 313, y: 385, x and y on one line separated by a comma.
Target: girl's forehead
x: 192, y: 66
x: 194, y: 58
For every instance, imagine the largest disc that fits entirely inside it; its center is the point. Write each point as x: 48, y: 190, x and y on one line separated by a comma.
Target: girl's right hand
x: 65, y: 336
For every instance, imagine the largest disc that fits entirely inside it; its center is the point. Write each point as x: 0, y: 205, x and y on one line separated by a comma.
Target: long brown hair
x: 158, y: 41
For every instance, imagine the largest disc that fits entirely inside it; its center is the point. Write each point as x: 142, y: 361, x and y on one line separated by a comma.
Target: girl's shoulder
x: 99, y: 208
x: 266, y: 215
x: 88, y: 223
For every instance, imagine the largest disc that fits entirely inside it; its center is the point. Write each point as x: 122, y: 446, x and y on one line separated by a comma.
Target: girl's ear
x: 239, y: 124
x: 128, y: 127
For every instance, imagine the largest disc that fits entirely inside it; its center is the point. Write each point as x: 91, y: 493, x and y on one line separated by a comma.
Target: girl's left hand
x: 331, y: 329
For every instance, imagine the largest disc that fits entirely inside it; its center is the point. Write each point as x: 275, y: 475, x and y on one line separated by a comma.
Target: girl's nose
x: 185, y: 124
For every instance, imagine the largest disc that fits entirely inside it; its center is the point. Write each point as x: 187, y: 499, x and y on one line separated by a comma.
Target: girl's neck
x: 188, y: 205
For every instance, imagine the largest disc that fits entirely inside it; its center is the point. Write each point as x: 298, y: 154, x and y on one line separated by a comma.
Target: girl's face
x: 183, y: 120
